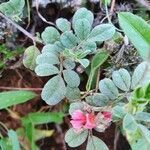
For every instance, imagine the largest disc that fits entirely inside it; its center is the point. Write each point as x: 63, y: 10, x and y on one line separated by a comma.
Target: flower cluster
x: 88, y: 120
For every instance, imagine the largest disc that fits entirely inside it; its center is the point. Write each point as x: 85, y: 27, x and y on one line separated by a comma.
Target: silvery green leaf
x: 101, y: 33
x: 46, y: 70
x: 63, y: 24
x: 54, y: 90
x: 97, y: 99
x: 122, y: 79
x: 83, y: 13
x: 69, y: 64
x: 47, y: 58
x: 82, y: 28
x: 118, y: 112
x: 75, y: 106
x: 52, y: 48
x: 74, y: 139
x: 50, y: 35
x: 107, y: 87
x: 71, y: 78
x: 84, y: 62
x: 89, y: 46
x: 94, y: 143
x: 59, y: 46
x: 145, y: 132
x: 72, y: 93
x: 143, y: 116
x: 68, y: 39
x: 129, y: 123
x: 30, y: 55
x: 141, y: 75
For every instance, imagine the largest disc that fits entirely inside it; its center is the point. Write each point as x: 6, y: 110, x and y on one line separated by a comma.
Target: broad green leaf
x: 129, y: 123
x: 30, y: 55
x: 141, y: 75
x: 50, y: 48
x: 14, y: 140
x: 82, y: 28
x: 75, y: 106
x: 97, y: 99
x: 13, y: 9
x: 8, y: 99
x: 68, y: 39
x: 94, y: 143
x: 138, y: 31
x: 83, y: 13
x: 107, y: 87
x: 102, y: 33
x: 84, y: 62
x: 122, y: 79
x: 143, y: 116
x: 54, y: 90
x: 63, y: 24
x: 71, y: 78
x: 38, y: 118
x: 72, y: 93
x: 74, y: 139
x: 46, y: 70
x: 145, y: 132
x: 47, y: 58
x: 99, y: 59
x: 69, y: 64
x: 89, y: 46
x: 50, y: 35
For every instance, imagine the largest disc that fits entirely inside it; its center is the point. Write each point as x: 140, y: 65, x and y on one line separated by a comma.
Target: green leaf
x: 122, y: 79
x: 97, y: 99
x: 69, y: 64
x: 138, y: 31
x: 50, y: 35
x: 94, y: 143
x: 30, y: 55
x: 13, y: 9
x: 102, y: 33
x: 8, y: 99
x: 143, y: 116
x: 129, y: 123
x: 63, y: 24
x: 75, y: 106
x: 84, y: 62
x: 107, y: 87
x: 71, y: 78
x: 50, y: 48
x: 82, y: 28
x: 54, y: 90
x: 68, y: 39
x: 47, y: 58
x: 74, y: 139
x: 38, y: 118
x: 89, y: 46
x: 99, y: 59
x: 46, y: 70
x: 141, y: 75
x: 72, y: 93
x: 83, y: 13
x: 14, y: 140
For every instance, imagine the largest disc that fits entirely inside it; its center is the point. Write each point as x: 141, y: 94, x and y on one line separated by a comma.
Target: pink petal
x: 107, y: 115
x: 78, y: 115
x: 76, y: 124
x: 90, y: 121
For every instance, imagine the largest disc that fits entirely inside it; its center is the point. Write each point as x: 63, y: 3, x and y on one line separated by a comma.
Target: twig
x: 16, y: 88
x: 112, y: 6
x: 39, y: 14
x: 19, y: 28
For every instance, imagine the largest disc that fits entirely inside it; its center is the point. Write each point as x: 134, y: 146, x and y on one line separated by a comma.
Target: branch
x: 19, y: 27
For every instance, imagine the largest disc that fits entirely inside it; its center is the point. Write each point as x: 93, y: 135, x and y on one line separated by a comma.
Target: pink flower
x: 82, y: 120
x: 107, y: 115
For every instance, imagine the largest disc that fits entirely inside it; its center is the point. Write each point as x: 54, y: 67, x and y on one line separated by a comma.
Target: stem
x: 19, y: 28
x: 29, y: 15
x: 16, y: 88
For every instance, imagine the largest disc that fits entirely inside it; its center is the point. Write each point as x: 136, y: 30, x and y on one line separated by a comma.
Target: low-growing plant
x: 123, y: 99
